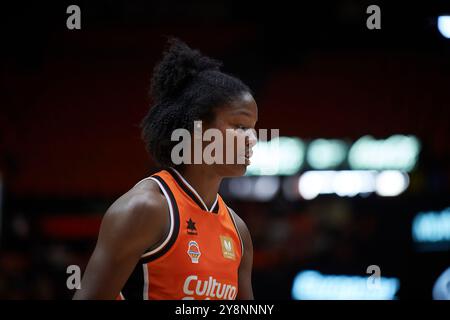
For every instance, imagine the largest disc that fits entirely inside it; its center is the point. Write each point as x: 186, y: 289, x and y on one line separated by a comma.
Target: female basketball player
x: 172, y: 236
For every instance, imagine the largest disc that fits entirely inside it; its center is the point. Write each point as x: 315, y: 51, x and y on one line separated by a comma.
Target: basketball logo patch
x: 193, y: 251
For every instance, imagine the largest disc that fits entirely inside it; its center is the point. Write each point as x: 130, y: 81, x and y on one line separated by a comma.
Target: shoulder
x: 139, y: 215
x: 239, y: 222
x: 141, y: 201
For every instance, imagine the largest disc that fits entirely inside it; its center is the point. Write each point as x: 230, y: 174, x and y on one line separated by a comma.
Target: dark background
x: 71, y: 102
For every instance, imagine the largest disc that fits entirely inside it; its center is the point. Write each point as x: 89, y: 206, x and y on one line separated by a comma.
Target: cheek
x: 235, y: 140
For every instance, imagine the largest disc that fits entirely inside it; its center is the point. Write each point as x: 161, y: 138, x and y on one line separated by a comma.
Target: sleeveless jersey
x: 200, y: 256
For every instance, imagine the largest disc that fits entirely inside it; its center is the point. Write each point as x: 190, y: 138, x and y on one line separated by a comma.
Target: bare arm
x: 245, y: 290
x: 132, y: 224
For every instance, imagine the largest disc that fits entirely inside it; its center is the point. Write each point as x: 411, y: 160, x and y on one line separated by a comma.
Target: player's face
x: 239, y: 117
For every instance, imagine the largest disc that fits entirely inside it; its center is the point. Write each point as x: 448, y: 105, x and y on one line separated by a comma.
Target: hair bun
x: 179, y: 64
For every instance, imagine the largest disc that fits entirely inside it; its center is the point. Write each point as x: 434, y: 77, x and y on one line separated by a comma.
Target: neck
x: 204, y: 180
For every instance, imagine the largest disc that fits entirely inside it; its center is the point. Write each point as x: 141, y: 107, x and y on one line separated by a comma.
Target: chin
x: 241, y: 169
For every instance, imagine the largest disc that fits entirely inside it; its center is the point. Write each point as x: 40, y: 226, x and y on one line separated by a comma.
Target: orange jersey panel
x: 199, y: 258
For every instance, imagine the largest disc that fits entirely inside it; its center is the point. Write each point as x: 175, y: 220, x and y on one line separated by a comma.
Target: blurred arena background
x: 364, y: 175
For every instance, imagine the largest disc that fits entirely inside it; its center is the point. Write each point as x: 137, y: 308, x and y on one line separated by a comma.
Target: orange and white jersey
x: 199, y: 258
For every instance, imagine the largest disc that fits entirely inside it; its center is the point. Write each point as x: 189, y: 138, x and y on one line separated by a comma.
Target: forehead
x: 243, y: 105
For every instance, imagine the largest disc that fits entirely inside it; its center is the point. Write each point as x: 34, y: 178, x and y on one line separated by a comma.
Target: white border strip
x: 145, y: 270
x: 214, y: 204
x: 172, y: 220
x: 195, y: 192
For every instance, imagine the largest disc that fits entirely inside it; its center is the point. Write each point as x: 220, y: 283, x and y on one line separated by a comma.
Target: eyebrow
x: 241, y: 111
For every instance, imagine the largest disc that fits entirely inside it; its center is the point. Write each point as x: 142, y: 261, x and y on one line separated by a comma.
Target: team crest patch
x: 194, y: 251
x: 227, y: 247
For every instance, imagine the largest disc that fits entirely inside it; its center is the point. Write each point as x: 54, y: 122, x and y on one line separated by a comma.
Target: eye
x: 242, y: 127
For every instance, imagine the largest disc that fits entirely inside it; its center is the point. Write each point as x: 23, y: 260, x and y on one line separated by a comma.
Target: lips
x: 248, y: 153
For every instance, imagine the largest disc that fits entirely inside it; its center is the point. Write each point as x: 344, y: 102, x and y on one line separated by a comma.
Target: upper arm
x: 127, y: 230
x: 245, y: 290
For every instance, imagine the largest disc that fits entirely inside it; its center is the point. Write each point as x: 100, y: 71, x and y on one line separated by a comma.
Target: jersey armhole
x: 167, y: 242
x: 232, y: 213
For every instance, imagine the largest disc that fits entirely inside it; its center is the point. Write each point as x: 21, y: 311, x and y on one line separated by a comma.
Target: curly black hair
x: 186, y: 86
